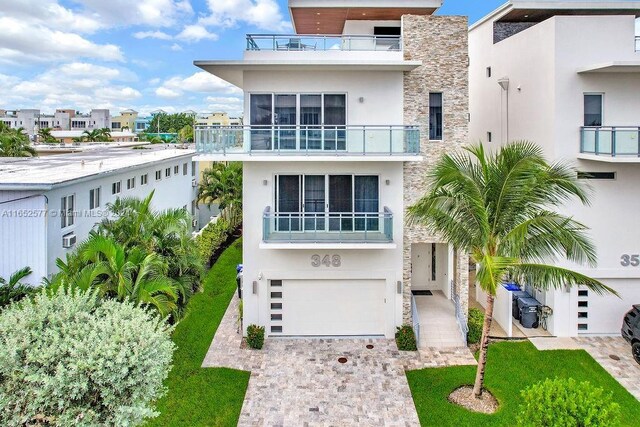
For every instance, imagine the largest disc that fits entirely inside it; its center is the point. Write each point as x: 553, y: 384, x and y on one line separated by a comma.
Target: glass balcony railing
x: 308, y: 140
x: 299, y: 43
x: 327, y: 227
x: 610, y: 140
x: 637, y: 43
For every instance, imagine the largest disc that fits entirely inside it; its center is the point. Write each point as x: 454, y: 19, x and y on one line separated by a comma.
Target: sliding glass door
x: 288, y: 203
x: 285, y: 118
x: 365, y: 202
x: 261, y: 117
x: 310, y: 122
x: 314, y: 202
x: 335, y: 120
x: 340, y: 202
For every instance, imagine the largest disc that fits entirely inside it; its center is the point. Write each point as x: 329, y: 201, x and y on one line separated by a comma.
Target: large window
x: 435, y: 116
x: 327, y: 202
x: 593, y: 109
x: 67, y: 210
x: 294, y: 121
x: 94, y: 198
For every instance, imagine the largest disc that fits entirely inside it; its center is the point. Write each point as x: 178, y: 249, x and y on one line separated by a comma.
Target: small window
x: 488, y: 71
x: 593, y: 109
x: 144, y: 179
x: 158, y: 175
x: 115, y: 187
x: 489, y: 137
x: 67, y: 210
x: 276, y: 306
x: 276, y: 329
x: 94, y: 198
x: 582, y: 315
x: 193, y: 168
x: 597, y: 175
x: 167, y: 172
x: 277, y: 316
x: 131, y: 183
x: 185, y: 169
x: 583, y: 303
x: 583, y: 293
x: 435, y: 116
x: 176, y: 169
x: 276, y: 295
x: 583, y: 327
x: 276, y: 283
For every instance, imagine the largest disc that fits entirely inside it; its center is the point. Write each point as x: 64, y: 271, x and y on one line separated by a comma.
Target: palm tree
x: 499, y: 208
x: 12, y: 290
x: 104, y: 134
x: 15, y: 143
x: 92, y: 135
x: 222, y: 184
x: 45, y: 136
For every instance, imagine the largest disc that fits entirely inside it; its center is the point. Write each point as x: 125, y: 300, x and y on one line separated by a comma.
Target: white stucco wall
x: 262, y: 265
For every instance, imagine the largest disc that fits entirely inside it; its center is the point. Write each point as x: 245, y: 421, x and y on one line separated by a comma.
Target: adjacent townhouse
x: 566, y: 75
x: 49, y: 204
x: 343, y: 118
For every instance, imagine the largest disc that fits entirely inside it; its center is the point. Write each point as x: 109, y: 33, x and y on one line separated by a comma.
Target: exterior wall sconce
x: 265, y: 182
x: 255, y: 287
x: 387, y: 181
x: 361, y: 100
x: 399, y: 287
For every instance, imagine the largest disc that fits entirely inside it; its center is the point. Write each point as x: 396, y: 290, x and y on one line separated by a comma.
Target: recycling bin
x: 528, y: 312
x: 515, y: 296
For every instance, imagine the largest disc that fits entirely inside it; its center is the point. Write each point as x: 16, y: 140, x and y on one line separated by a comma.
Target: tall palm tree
x: 12, y: 290
x: 499, y: 208
x: 15, y: 143
x: 45, y: 136
x: 104, y: 134
x: 222, y: 184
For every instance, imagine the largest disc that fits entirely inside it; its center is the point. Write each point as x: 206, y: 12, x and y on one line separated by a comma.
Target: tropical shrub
x: 565, y: 402
x: 12, y: 290
x: 255, y: 336
x: 15, y: 143
x: 74, y: 359
x: 222, y: 184
x: 406, y: 338
x: 475, y: 322
x: 212, y: 237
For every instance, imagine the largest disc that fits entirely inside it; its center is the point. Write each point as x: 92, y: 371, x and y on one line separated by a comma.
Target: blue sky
x: 120, y: 54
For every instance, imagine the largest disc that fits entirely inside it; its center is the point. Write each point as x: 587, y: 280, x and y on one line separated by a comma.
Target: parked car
x: 631, y: 330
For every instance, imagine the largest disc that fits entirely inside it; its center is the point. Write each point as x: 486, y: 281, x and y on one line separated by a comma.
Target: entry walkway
x: 298, y: 382
x: 438, y: 324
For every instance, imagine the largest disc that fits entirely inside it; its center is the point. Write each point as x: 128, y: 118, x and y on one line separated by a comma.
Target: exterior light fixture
x: 399, y: 286
x: 255, y: 287
x: 387, y: 181
x: 265, y: 182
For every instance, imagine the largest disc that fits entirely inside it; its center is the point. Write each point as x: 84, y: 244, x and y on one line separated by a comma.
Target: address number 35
x: 627, y: 260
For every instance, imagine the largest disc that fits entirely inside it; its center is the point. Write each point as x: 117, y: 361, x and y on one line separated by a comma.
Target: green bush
x: 476, y: 319
x: 406, y: 338
x: 74, y: 359
x: 212, y: 237
x: 567, y: 403
x: 255, y: 336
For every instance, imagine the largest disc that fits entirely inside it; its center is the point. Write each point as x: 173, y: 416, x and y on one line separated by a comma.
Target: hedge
x: 212, y: 237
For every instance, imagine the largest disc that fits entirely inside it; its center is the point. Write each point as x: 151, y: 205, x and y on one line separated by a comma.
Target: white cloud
x: 200, y: 82
x: 175, y: 47
x: 224, y: 100
x: 152, y: 35
x: 52, y: 15
x: 21, y: 42
x: 152, y: 13
x: 164, y: 92
x: 195, y: 33
x: 263, y: 14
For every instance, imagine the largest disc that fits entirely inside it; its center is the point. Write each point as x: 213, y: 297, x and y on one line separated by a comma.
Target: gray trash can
x: 528, y: 312
x: 515, y: 296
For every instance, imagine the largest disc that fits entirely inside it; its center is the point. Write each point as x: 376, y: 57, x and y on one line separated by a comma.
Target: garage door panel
x: 333, y: 307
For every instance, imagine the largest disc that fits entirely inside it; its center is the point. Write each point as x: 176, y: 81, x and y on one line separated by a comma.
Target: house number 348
x: 326, y: 260
x: 627, y: 260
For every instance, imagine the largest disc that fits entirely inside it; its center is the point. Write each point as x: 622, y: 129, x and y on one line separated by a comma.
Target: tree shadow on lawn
x: 511, y: 367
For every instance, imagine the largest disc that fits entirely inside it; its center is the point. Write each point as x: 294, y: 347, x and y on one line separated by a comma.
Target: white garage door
x: 329, y: 307
x: 603, y: 314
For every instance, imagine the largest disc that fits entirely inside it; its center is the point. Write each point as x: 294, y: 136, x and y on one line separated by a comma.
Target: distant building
x: 141, y: 124
x: 126, y: 120
x: 49, y: 204
x: 218, y: 119
x: 70, y: 136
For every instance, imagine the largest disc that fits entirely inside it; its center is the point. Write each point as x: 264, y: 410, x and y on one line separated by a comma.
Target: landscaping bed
x: 511, y: 367
x: 204, y: 396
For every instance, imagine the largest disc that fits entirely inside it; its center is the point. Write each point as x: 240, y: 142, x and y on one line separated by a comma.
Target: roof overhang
x: 612, y: 67
x: 329, y: 16
x: 233, y: 71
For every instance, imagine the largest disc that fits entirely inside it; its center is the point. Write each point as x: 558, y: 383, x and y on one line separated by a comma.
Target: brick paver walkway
x: 297, y: 382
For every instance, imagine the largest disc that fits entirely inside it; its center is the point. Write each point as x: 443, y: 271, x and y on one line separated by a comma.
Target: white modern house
x: 342, y: 119
x: 49, y: 204
x: 566, y: 75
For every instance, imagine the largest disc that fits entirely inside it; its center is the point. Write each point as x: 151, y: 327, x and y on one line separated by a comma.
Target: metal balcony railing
x: 302, y: 42
x: 610, y: 140
x: 327, y: 227
x: 308, y: 140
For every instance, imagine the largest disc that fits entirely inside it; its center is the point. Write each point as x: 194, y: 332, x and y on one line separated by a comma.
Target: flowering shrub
x: 73, y: 359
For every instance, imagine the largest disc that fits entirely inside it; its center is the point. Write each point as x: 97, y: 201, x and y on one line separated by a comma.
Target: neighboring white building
x: 566, y: 75
x: 339, y: 131
x: 35, y: 191
x: 31, y: 120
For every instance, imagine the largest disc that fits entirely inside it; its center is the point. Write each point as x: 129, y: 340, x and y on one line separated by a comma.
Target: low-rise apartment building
x: 566, y: 75
x: 49, y: 204
x: 342, y: 120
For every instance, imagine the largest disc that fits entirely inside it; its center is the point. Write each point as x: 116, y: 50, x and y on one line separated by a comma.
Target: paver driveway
x: 298, y: 382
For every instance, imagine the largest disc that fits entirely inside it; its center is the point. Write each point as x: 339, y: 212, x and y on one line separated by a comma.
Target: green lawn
x: 510, y: 368
x: 204, y: 396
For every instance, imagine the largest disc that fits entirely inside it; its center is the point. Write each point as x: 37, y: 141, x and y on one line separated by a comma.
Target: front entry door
x: 423, y: 264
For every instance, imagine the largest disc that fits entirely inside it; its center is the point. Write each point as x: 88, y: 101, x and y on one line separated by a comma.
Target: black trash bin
x: 515, y: 296
x: 528, y: 312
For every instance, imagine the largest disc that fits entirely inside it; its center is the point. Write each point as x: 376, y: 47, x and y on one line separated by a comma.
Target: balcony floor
x: 327, y: 237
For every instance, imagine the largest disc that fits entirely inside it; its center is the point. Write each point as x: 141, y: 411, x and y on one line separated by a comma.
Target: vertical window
x: 286, y: 117
x: 144, y: 179
x: 365, y: 200
x: 435, y: 116
x: 261, y: 110
x: 167, y: 172
x: 67, y: 206
x: 185, y: 169
x: 131, y: 183
x: 593, y: 109
x: 488, y: 71
x: 158, y: 175
x: 335, y: 118
x: 94, y: 198
x: 489, y: 136
x: 176, y: 169
x: 115, y: 187
x: 193, y: 168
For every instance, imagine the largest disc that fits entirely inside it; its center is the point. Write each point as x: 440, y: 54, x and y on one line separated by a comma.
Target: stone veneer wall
x: 440, y: 42
x: 504, y: 30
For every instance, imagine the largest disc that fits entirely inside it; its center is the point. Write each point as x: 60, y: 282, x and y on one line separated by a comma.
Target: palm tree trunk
x: 484, y: 344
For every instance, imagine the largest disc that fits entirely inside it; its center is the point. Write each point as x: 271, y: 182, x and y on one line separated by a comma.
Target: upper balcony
x: 309, y: 143
x: 610, y: 143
